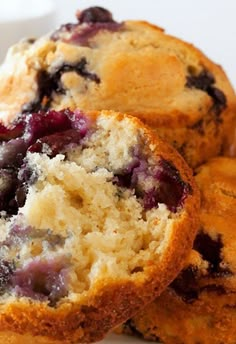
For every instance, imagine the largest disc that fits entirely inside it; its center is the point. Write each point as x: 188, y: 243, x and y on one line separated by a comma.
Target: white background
x: 208, y: 24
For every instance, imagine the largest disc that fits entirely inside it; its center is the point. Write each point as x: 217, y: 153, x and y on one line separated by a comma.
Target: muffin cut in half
x: 199, y: 306
x: 97, y: 217
x: 132, y: 67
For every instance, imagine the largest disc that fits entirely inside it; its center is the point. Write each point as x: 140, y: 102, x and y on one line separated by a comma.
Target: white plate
x: 120, y: 339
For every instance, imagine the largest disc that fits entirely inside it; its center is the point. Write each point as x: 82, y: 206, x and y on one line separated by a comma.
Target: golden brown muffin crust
x: 199, y: 306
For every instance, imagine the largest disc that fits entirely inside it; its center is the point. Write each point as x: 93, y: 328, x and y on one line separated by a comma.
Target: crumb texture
x: 91, y: 205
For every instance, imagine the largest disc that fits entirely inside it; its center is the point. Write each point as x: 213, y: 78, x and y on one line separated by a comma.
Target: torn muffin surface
x: 90, y: 205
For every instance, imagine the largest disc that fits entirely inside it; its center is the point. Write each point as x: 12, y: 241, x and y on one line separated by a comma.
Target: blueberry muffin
x: 97, y: 217
x: 199, y: 307
x: 134, y: 67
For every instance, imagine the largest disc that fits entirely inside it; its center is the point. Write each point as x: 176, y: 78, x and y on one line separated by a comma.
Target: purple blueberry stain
x: 90, y: 21
x: 46, y: 85
x: 8, y: 184
x: 186, y: 286
x: 26, y: 176
x: 77, y: 126
x: 19, y: 234
x: 205, y: 81
x: 12, y: 153
x: 41, y: 124
x: 79, y: 122
x: 40, y: 279
x: 6, y: 271
x: 64, y: 31
x: 172, y: 189
x: 80, y: 68
x: 16, y: 236
x: 44, y: 280
x: 56, y: 143
x: 50, y: 83
x: 210, y: 250
x: 124, y: 177
x: 165, y: 184
x: 12, y: 132
x: 82, y: 34
x: 55, y: 130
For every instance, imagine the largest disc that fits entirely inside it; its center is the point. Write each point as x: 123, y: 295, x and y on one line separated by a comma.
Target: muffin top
x: 97, y: 63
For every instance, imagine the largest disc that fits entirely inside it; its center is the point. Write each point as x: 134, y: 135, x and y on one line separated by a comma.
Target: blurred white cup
x: 24, y: 19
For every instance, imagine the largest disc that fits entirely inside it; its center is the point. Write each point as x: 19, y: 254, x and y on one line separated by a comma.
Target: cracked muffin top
x: 97, y: 63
